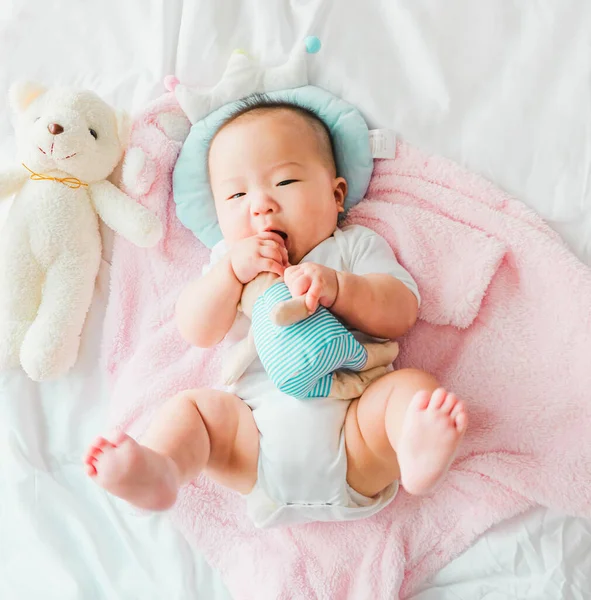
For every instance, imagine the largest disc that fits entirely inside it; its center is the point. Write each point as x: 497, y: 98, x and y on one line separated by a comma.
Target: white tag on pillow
x: 382, y: 143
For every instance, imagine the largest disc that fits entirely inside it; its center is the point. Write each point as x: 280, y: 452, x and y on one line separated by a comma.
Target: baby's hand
x: 264, y: 252
x: 317, y: 282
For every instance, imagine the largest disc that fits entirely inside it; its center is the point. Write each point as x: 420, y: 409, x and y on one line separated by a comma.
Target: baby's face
x: 268, y: 172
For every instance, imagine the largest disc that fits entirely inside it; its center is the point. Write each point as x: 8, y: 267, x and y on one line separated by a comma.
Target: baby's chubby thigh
x: 302, y: 459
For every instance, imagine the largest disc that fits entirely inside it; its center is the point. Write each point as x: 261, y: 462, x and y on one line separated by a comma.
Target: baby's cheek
x: 234, y: 228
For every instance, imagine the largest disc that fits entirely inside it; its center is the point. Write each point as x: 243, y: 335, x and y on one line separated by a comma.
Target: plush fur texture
x: 504, y: 322
x: 243, y: 76
x: 50, y: 248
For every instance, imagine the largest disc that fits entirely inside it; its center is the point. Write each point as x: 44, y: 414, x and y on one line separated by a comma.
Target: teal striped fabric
x: 301, y: 358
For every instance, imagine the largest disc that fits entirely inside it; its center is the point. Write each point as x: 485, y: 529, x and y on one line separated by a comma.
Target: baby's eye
x: 238, y: 195
x: 287, y: 182
x: 93, y: 133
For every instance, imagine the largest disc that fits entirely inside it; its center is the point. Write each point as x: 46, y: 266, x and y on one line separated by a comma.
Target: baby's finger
x: 268, y: 265
x: 269, y: 235
x: 274, y: 253
x: 270, y: 243
x: 280, y: 247
x: 285, y: 255
x: 291, y: 273
x: 313, y: 295
x: 300, y: 285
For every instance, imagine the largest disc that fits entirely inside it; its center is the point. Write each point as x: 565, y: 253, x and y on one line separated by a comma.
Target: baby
x: 278, y: 199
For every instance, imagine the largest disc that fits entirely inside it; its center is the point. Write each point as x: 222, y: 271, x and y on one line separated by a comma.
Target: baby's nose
x: 263, y: 209
x: 55, y: 129
x: 263, y: 205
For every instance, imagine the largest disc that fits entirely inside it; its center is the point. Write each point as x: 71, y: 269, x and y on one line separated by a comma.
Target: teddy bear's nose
x: 55, y: 129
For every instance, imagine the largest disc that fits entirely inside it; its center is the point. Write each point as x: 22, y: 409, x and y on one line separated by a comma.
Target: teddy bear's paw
x: 150, y: 230
x: 138, y: 172
x: 45, y: 354
x: 175, y: 126
x: 12, y: 334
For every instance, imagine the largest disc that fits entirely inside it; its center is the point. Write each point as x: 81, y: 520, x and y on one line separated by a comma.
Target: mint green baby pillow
x: 192, y: 194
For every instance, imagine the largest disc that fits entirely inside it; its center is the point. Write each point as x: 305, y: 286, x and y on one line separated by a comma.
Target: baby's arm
x: 377, y: 304
x: 374, y: 294
x: 207, y: 308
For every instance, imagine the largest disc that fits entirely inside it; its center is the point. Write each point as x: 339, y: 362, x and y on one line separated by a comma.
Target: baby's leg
x: 403, y: 427
x: 198, y: 430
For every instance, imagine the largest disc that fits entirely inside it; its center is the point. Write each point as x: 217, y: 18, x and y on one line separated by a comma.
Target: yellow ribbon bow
x: 72, y: 182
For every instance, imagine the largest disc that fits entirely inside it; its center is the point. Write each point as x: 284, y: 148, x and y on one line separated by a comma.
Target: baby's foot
x: 133, y: 472
x: 432, y: 430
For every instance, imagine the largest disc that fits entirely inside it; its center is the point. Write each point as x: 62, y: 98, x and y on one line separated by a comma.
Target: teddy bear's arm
x: 243, y: 355
x: 11, y: 181
x: 139, y: 172
x: 124, y: 215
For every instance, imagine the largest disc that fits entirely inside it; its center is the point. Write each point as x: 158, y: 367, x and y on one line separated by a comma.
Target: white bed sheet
x: 502, y: 87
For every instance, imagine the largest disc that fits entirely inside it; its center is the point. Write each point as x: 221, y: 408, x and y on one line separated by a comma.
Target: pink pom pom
x: 170, y: 82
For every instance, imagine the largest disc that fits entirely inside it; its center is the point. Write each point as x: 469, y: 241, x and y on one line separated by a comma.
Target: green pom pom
x: 312, y: 44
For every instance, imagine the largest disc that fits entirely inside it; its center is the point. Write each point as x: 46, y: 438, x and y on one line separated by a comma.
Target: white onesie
x: 302, y: 460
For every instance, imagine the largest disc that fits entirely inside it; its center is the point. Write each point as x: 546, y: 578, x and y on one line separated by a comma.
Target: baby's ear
x: 340, y: 193
x: 22, y: 93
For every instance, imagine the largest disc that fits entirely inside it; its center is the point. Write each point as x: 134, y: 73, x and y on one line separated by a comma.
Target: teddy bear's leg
x: 381, y: 354
x: 351, y: 384
x: 347, y: 385
x: 20, y: 284
x: 51, y: 345
x: 289, y: 312
x: 243, y: 355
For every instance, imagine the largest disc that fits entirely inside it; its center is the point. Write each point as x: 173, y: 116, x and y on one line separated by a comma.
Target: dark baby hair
x: 262, y: 103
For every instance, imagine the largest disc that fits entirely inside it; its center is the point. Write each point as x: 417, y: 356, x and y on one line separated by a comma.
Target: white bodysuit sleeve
x: 217, y: 253
x: 370, y: 253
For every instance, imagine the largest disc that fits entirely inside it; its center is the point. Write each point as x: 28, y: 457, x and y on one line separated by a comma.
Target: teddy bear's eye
x: 93, y: 133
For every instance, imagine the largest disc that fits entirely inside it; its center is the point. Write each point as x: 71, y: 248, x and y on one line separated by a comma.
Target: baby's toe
x: 101, y: 443
x: 420, y: 401
x: 457, y: 409
x: 459, y: 416
x: 449, y: 404
x: 117, y: 437
x: 437, y: 399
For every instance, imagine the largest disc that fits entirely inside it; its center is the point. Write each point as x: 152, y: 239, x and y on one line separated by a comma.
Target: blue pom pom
x: 312, y: 44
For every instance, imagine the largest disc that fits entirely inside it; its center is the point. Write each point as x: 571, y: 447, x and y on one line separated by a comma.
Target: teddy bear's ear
x: 123, y: 127
x: 22, y: 93
x: 174, y: 125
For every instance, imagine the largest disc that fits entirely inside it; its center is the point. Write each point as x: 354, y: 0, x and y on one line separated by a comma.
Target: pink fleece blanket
x: 505, y: 323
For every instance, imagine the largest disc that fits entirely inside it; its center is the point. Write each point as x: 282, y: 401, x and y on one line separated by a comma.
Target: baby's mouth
x: 280, y: 233
x: 284, y: 237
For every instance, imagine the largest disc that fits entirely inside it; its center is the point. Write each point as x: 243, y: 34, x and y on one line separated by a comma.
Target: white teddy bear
x: 69, y: 142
